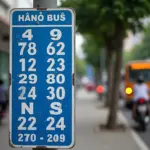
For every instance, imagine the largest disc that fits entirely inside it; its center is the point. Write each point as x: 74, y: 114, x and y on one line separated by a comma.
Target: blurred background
x: 5, y: 7
x: 112, y: 49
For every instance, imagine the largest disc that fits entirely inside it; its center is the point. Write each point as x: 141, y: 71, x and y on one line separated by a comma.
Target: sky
x: 79, y: 51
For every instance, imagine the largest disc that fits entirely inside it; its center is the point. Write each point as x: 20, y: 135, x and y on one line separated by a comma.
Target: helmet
x: 140, y: 79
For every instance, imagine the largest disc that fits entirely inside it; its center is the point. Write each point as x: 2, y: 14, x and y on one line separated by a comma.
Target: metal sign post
x: 45, y: 3
x: 42, y: 77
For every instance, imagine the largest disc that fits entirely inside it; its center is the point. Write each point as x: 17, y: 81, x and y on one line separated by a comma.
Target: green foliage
x: 107, y: 21
x: 92, y: 51
x: 80, y: 66
x: 100, y: 17
x: 127, y: 56
x: 140, y: 51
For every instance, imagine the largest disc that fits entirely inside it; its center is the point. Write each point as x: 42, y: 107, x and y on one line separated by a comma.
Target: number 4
x: 61, y: 124
x: 28, y: 34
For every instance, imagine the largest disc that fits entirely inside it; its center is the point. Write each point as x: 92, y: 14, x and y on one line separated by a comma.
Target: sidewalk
x: 89, y: 115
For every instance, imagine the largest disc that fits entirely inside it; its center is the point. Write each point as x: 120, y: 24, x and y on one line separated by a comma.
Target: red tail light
x: 141, y: 101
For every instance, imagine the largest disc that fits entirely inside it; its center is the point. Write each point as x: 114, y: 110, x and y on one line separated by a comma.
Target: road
x: 144, y: 136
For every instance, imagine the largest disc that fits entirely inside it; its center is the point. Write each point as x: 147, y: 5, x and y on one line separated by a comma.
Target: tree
x: 91, y: 49
x: 80, y: 66
x: 140, y: 51
x: 109, y: 20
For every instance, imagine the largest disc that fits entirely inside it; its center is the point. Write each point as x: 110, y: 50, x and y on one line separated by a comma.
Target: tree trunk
x: 117, y: 43
x: 109, y: 69
x: 112, y: 118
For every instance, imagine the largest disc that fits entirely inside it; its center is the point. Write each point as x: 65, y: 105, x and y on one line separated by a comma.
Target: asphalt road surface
x: 144, y: 136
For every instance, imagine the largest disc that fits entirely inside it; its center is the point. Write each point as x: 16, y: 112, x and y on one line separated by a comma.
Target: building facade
x: 4, y: 41
x: 5, y: 7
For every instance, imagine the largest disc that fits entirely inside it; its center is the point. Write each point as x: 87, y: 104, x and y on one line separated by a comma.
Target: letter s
x: 57, y: 110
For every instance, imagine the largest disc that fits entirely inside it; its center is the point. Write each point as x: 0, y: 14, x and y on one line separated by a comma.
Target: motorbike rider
x: 140, y: 90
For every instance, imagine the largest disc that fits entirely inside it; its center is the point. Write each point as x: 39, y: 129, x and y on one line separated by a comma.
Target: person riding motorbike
x: 140, y: 90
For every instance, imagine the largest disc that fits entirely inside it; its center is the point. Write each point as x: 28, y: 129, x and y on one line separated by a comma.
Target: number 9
x: 62, y: 138
x: 56, y: 34
x: 32, y: 78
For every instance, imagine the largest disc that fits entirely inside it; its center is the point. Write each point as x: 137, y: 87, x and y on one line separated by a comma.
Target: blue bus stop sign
x: 42, y: 83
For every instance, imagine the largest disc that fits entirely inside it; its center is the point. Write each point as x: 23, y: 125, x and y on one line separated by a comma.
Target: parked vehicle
x: 90, y: 86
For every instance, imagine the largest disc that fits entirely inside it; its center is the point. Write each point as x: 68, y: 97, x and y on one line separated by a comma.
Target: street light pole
x: 44, y: 4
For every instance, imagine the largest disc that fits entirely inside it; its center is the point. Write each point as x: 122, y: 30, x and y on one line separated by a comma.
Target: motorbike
x: 142, y: 114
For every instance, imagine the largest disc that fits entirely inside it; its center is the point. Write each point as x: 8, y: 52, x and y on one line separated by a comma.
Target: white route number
x: 29, y: 124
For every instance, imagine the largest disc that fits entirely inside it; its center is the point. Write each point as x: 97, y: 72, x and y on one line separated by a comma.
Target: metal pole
x: 45, y: 4
x: 15, y: 4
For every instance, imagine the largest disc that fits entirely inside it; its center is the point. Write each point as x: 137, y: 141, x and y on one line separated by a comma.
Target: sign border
x: 73, y: 78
